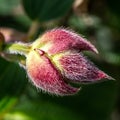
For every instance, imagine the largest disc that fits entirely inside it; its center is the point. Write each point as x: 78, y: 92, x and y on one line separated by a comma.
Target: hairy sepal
x: 59, y: 40
x: 45, y: 76
x: 78, y: 69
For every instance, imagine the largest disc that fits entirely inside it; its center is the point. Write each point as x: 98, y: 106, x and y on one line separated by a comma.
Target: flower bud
x: 55, y: 59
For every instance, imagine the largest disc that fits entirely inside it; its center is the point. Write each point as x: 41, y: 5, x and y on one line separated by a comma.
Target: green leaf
x: 7, y: 6
x: 44, y: 10
x: 12, y: 83
x: 114, y: 6
x: 41, y: 110
x: 94, y: 102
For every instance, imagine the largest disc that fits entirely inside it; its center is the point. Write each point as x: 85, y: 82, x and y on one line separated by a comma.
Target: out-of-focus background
x: 99, y: 22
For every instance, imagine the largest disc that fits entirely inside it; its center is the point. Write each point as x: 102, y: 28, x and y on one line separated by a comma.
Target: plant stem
x: 33, y: 30
x: 16, y: 48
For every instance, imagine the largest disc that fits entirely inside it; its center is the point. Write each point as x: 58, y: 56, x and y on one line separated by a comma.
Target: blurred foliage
x: 99, y: 22
x: 7, y: 6
x: 44, y: 10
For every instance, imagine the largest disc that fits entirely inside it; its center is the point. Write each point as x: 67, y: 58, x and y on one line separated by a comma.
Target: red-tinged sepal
x: 45, y: 76
x: 59, y: 40
x: 77, y: 68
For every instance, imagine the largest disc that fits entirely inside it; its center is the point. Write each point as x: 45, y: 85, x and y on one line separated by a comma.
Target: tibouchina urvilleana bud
x: 56, y: 59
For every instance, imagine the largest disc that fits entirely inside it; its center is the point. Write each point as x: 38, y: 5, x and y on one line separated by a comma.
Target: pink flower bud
x: 55, y: 60
x: 45, y: 75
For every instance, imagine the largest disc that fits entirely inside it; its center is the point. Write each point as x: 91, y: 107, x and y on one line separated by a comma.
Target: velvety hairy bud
x: 77, y: 68
x: 58, y: 40
x: 55, y: 59
x: 45, y: 76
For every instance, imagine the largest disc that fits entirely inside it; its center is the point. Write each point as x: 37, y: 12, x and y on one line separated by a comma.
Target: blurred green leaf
x: 104, y: 39
x: 44, y: 10
x: 7, y: 6
x: 84, y: 22
x: 41, y: 110
x: 12, y: 83
x: 23, y: 20
x: 114, y: 6
x: 94, y: 102
x: 113, y: 20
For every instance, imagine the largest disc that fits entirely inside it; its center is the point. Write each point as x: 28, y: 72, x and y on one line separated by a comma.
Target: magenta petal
x: 45, y: 76
x: 79, y: 69
x: 63, y: 40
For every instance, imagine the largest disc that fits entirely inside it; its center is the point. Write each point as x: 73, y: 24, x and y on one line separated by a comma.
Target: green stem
x: 16, y: 48
x: 16, y: 51
x: 33, y: 30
